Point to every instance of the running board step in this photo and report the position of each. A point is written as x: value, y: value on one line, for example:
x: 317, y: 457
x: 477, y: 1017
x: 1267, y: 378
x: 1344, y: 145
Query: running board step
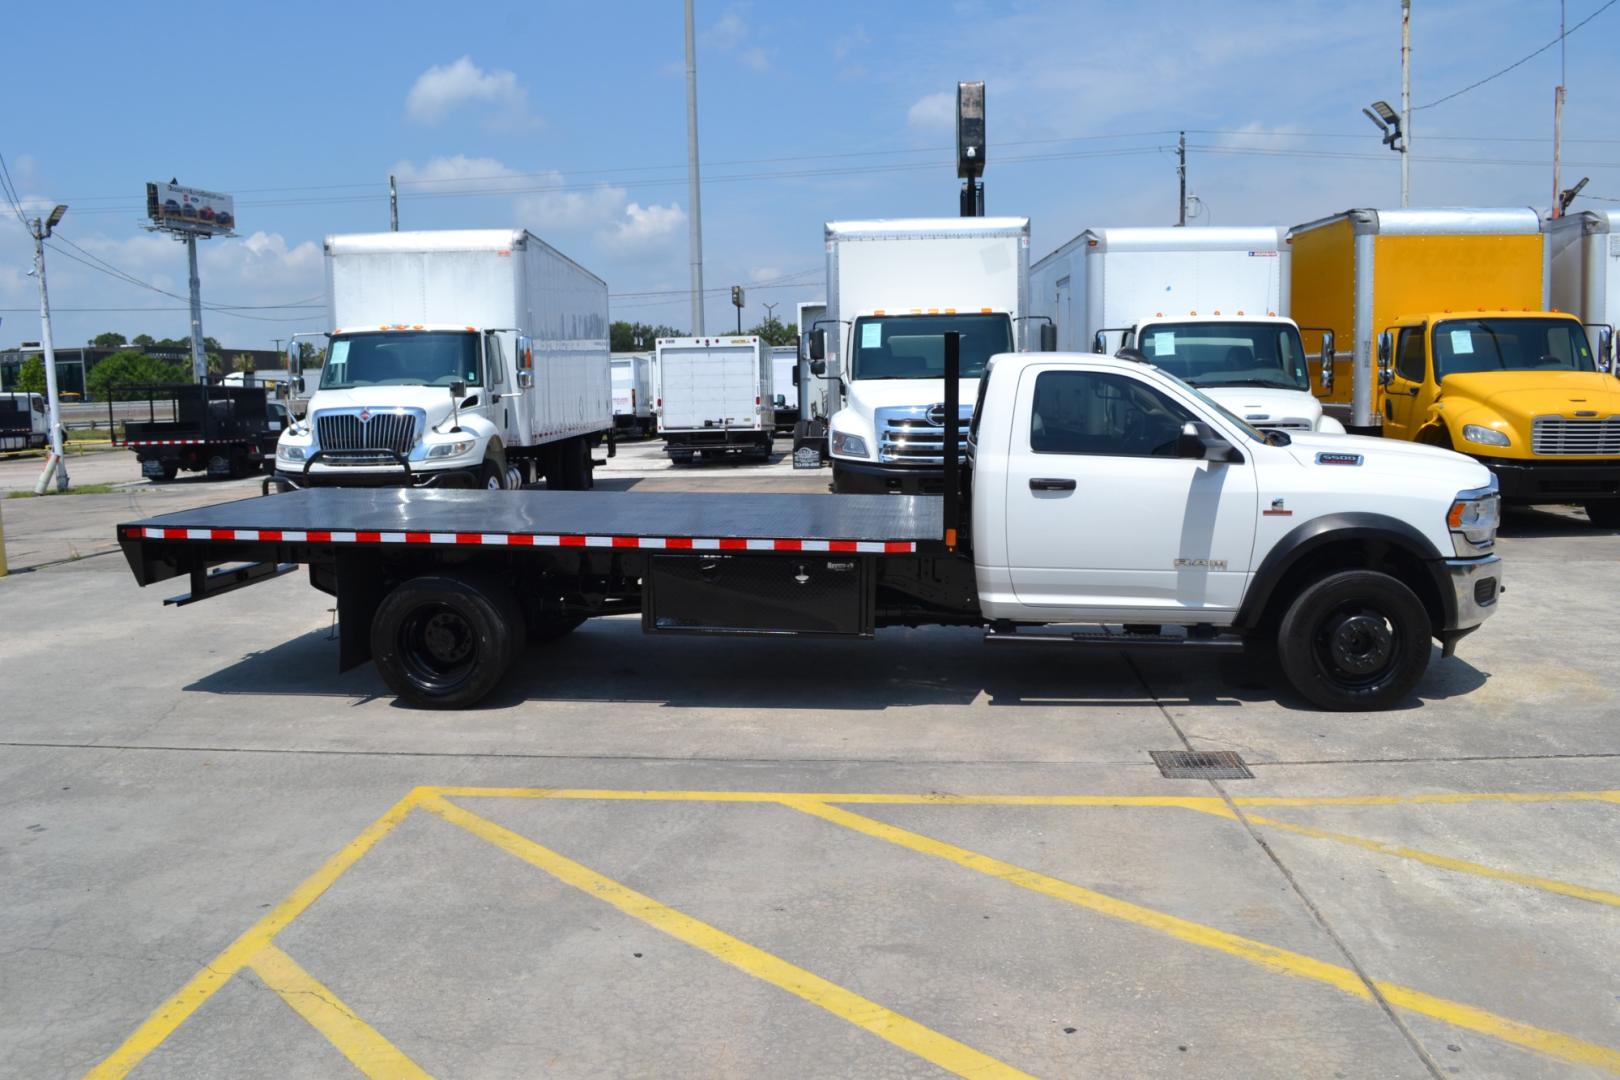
x: 1102, y: 640
x: 206, y: 584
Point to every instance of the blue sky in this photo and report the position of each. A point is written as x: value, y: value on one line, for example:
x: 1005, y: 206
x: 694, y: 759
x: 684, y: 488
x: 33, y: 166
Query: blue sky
x: 570, y: 119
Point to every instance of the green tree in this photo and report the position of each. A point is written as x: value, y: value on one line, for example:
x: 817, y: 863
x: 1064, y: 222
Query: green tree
x: 31, y: 379
x: 244, y: 364
x: 143, y: 340
x: 622, y: 336
x: 776, y: 332
x: 130, y: 366
x: 110, y: 340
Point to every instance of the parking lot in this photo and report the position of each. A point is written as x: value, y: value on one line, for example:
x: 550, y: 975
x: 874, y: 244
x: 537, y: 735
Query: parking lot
x: 768, y: 857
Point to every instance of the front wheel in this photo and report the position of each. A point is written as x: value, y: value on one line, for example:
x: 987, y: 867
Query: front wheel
x: 1357, y: 639
x: 1604, y: 514
x: 492, y: 477
x: 444, y: 642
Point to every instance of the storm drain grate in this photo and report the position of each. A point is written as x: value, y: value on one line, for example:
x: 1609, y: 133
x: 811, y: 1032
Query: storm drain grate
x: 1201, y: 765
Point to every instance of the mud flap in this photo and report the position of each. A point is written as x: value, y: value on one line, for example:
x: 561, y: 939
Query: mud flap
x: 359, y: 590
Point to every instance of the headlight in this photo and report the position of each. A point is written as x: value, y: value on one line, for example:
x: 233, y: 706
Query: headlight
x: 291, y: 453
x: 451, y: 449
x: 1474, y: 518
x: 1485, y: 436
x: 849, y: 445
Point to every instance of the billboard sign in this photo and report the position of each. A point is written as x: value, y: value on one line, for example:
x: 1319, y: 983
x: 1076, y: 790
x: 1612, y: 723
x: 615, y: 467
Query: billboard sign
x: 192, y: 210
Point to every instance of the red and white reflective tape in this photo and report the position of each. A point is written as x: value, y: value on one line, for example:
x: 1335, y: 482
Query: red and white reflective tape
x: 645, y: 543
x: 180, y: 442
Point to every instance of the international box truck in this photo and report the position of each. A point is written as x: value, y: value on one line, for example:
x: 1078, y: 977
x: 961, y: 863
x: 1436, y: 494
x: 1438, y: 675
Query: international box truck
x: 1207, y: 305
x: 713, y: 398
x: 1454, y: 344
x: 894, y: 289
x: 633, y: 394
x: 457, y: 358
x: 1336, y: 560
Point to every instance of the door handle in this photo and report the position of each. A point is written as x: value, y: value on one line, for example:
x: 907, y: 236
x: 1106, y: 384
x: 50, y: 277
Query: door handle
x: 1048, y: 483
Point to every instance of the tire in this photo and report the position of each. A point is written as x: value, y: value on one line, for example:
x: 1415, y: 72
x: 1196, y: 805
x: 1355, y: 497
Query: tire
x: 570, y: 466
x: 170, y: 471
x: 1357, y: 639
x: 514, y: 477
x: 445, y: 642
x: 491, y: 477
x: 1604, y: 514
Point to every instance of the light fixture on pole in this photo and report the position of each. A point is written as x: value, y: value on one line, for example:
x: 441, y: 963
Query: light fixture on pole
x: 1567, y: 196
x: 1388, y: 121
x: 55, y: 464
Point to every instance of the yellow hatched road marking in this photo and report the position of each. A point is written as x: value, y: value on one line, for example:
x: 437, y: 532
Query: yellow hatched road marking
x: 202, y: 986
x: 1445, y: 862
x: 885, y: 1023
x: 355, y: 1039
x: 1282, y: 961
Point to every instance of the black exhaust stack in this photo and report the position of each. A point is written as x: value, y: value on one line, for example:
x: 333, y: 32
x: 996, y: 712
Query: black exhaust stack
x: 952, y: 516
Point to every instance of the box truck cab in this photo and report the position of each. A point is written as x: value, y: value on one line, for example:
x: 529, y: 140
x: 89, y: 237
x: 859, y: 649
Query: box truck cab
x: 463, y: 358
x: 23, y: 421
x: 894, y: 289
x: 1454, y: 344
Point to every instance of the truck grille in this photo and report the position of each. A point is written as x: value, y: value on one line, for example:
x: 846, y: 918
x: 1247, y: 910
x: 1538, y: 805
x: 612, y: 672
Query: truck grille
x: 915, y: 435
x: 1561, y: 435
x: 342, y: 432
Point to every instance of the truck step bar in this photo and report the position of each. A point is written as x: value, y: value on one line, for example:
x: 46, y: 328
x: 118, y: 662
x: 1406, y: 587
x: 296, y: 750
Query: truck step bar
x: 1098, y: 639
x: 206, y: 583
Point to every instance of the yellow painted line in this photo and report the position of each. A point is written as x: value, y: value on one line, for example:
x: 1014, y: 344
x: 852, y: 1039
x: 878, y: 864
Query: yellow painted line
x: 355, y: 1039
x: 864, y: 1013
x: 1281, y: 961
x: 217, y: 972
x: 1449, y: 798
x: 1445, y: 862
x: 1191, y: 802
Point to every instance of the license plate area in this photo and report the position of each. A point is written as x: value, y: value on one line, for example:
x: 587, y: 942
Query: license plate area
x: 759, y: 594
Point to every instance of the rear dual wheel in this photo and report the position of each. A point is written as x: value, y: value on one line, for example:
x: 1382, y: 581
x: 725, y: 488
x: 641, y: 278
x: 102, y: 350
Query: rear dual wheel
x: 444, y: 642
x: 1357, y: 639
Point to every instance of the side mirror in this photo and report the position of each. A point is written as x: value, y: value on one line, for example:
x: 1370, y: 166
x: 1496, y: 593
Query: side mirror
x: 1190, y: 443
x: 818, y: 368
x: 1198, y: 441
x: 1605, y: 349
x: 295, y: 357
x: 525, y: 380
x: 458, y: 389
x: 1386, y: 351
x: 1099, y: 344
x: 795, y: 374
x: 818, y: 345
x: 1048, y: 337
x: 299, y: 382
x: 1328, y: 356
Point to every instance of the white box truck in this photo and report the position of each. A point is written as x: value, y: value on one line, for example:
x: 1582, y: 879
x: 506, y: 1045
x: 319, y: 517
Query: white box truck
x: 1585, y: 255
x: 713, y: 397
x: 894, y: 289
x: 457, y: 358
x: 1210, y: 306
x: 633, y: 394
x: 785, y: 385
x: 23, y: 423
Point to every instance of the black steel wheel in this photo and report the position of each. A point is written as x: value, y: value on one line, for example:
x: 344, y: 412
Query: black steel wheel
x: 1357, y: 639
x: 445, y: 642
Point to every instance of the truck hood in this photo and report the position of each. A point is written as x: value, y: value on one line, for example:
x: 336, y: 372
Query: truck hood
x: 1265, y: 405
x: 867, y: 395
x: 434, y: 401
x: 1521, y: 395
x: 1405, y: 462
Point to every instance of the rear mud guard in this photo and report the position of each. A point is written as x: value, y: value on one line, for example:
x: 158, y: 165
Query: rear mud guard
x: 359, y: 590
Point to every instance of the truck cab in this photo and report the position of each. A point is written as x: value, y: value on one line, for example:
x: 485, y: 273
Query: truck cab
x: 23, y: 421
x: 1521, y: 392
x: 1254, y: 365
x: 440, y: 402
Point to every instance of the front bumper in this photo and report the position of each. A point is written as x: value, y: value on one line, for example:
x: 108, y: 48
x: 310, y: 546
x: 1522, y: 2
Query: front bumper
x: 857, y: 478
x: 1476, y: 584
x: 367, y: 477
x: 1544, y: 481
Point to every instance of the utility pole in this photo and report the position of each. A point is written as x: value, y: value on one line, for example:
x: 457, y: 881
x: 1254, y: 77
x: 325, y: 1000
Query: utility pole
x: 199, y: 361
x: 770, y: 310
x: 695, y: 220
x: 393, y: 205
x: 1181, y: 173
x: 1558, y: 115
x: 1406, y: 102
x: 55, y: 463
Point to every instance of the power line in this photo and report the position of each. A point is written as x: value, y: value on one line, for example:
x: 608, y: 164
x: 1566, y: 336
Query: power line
x: 1522, y: 60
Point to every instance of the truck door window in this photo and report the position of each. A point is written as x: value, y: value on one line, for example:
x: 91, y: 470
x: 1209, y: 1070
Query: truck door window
x: 1409, y: 357
x: 495, y: 360
x: 1087, y: 412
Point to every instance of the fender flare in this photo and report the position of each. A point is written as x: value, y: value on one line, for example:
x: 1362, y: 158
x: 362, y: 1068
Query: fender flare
x: 1317, y: 533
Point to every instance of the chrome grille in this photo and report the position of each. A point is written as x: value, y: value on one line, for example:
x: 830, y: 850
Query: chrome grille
x: 915, y: 435
x: 343, y: 433
x: 1563, y: 435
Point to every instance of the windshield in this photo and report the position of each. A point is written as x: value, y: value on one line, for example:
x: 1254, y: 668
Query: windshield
x: 1229, y: 354
x: 1468, y: 345
x: 401, y: 359
x: 913, y: 346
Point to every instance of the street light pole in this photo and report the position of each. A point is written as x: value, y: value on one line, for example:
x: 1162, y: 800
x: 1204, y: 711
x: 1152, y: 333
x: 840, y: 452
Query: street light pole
x: 56, y: 463
x: 695, y: 237
x: 199, y: 362
x: 1406, y: 103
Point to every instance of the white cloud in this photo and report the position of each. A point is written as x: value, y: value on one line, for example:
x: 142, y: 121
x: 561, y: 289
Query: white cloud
x: 848, y: 43
x: 727, y: 32
x: 932, y: 114
x: 442, y: 90
x: 645, y: 228
x: 764, y: 273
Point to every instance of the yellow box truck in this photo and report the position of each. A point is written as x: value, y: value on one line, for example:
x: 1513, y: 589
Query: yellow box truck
x: 1452, y: 343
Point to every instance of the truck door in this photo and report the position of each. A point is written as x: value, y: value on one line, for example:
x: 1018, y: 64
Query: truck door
x: 1405, y: 404
x: 498, y: 387
x: 1101, y: 514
